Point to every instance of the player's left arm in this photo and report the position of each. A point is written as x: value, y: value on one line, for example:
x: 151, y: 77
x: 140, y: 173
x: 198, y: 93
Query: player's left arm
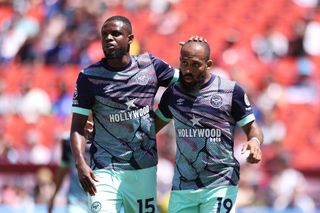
x: 242, y: 112
x: 255, y: 139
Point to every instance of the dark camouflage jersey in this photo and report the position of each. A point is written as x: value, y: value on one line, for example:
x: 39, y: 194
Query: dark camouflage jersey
x: 122, y: 105
x: 205, y: 122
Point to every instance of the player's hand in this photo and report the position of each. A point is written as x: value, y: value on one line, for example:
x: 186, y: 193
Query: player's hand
x: 87, y: 179
x: 254, y: 151
x: 195, y: 38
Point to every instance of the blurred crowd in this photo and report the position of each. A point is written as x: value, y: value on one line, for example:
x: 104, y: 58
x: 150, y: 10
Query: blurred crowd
x: 272, y: 49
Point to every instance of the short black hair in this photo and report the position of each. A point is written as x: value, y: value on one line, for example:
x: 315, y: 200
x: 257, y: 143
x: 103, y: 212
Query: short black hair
x: 123, y: 19
x: 205, y: 45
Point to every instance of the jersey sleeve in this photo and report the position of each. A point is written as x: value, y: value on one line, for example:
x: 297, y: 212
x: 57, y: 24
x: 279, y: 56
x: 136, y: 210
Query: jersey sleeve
x: 163, y: 111
x: 166, y: 74
x: 241, y: 109
x: 83, y: 97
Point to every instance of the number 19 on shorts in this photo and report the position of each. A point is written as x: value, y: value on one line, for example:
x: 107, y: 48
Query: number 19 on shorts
x: 224, y: 203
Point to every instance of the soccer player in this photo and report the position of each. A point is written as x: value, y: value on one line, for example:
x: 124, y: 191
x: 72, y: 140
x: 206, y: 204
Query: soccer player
x: 119, y: 90
x: 205, y: 109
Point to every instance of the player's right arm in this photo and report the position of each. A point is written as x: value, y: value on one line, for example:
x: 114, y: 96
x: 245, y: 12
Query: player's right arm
x: 78, y: 146
x: 83, y: 100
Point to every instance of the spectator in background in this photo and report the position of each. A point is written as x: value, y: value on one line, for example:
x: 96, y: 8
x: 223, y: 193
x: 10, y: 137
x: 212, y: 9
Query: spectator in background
x: 311, y: 41
x: 270, y: 45
x: 296, y: 48
x: 36, y: 152
x: 34, y: 104
x: 164, y: 18
x: 61, y: 107
x: 274, y: 130
x: 251, y: 191
x: 271, y: 95
x: 288, y: 187
x: 305, y: 89
x: 8, y: 154
x: 16, y: 34
x: 44, y: 187
x: 8, y: 102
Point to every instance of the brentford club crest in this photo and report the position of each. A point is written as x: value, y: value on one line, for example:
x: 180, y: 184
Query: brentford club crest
x: 216, y: 101
x: 142, y: 78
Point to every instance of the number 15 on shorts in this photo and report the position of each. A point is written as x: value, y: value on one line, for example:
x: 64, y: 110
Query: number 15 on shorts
x: 146, y: 206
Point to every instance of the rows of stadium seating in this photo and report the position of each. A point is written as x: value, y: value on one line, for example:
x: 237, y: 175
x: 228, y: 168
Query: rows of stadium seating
x: 221, y: 22
x: 248, y: 17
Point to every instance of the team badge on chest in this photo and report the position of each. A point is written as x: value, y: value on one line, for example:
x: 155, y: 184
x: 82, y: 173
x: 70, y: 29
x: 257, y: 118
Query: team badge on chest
x: 216, y: 101
x: 142, y: 78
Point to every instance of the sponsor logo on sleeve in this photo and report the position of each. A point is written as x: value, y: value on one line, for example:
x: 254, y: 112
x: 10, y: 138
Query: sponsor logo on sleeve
x: 247, y: 102
x: 75, y: 96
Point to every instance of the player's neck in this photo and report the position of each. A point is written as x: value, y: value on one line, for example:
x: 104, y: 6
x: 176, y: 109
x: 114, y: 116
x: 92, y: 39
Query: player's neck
x: 209, y: 78
x: 118, y: 63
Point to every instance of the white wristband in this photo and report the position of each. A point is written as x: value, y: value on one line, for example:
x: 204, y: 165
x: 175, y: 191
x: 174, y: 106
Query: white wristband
x: 256, y: 139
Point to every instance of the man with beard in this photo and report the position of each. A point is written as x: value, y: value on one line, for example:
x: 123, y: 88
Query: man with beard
x: 206, y: 109
x: 119, y: 90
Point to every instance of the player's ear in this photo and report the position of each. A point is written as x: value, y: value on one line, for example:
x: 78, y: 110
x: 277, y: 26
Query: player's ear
x: 209, y: 64
x: 130, y: 37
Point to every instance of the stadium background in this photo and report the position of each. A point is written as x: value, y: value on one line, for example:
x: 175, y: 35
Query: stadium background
x: 271, y: 48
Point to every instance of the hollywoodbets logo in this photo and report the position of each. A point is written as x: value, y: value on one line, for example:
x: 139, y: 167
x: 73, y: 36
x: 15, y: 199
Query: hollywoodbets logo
x: 132, y: 114
x: 214, y: 134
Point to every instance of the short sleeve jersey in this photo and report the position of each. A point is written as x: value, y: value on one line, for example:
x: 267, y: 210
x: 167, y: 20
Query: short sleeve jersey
x: 205, y: 123
x: 122, y: 105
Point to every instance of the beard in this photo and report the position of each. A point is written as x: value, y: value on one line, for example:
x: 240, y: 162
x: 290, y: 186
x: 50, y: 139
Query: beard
x: 118, y: 53
x: 194, y: 85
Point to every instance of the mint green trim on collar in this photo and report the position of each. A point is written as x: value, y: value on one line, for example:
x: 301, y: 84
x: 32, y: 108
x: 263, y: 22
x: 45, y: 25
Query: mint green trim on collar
x: 161, y: 116
x: 81, y: 111
x: 246, y: 120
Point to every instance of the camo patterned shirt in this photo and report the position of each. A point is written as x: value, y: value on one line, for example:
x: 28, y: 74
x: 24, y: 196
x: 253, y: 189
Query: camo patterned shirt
x: 205, y: 122
x: 122, y: 105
